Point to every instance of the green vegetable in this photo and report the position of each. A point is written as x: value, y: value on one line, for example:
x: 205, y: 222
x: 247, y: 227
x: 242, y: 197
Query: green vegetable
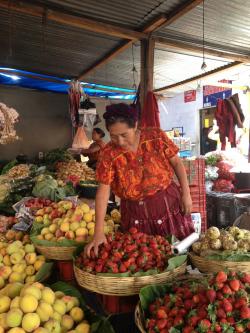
x: 56, y: 155
x: 8, y: 166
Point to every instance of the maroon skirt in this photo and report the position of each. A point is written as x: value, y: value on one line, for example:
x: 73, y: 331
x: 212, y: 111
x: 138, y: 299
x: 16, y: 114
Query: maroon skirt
x: 159, y: 214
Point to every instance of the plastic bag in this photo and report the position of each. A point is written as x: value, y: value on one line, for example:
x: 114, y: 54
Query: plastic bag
x: 80, y: 140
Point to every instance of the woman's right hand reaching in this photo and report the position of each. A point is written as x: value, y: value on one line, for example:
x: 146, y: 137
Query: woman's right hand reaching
x: 99, y: 239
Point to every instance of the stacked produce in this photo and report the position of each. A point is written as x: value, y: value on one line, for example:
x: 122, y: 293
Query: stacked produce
x: 220, y: 304
x: 18, y: 262
x: 6, y: 222
x: 233, y: 240
x: 19, y: 171
x: 67, y: 170
x: 12, y: 235
x: 63, y: 220
x: 133, y: 252
x: 38, y: 309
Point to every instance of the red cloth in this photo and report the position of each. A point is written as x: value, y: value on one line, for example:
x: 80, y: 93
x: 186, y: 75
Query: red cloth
x: 225, y: 122
x: 159, y: 214
x: 150, y: 112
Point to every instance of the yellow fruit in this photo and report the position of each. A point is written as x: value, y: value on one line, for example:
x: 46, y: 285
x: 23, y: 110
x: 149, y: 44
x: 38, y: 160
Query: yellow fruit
x: 29, y: 248
x: 30, y: 270
x: 39, y: 219
x: 3, y: 323
x: 59, y: 294
x: 38, y: 264
x: 53, y: 228
x: 28, y: 303
x: 83, y: 224
x: 67, y: 322
x: 4, y: 303
x: 87, y: 217
x: 15, y: 303
x: 60, y: 307
x: 34, y: 291
x: 90, y: 225
x: 30, y: 279
x: 53, y: 325
x: 38, y: 285
x: 19, y: 268
x: 85, y: 208
x: 77, y: 314
x: 14, y: 289
x: 16, y: 277
x: 49, y: 237
x: 91, y: 232
x: 16, y: 330
x: 6, y: 260
x: 40, y: 257
x: 92, y: 211
x: 48, y: 295
x: 15, y: 258
x: 30, y: 258
x: 41, y: 330
x: 40, y: 237
x: 5, y: 272
x: 14, y: 247
x: 30, y: 322
x: 14, y: 317
x: 2, y: 282
x: 74, y: 225
x: 69, y: 301
x: 64, y: 226
x: 44, y: 311
x: 45, y: 231
x: 81, y: 232
x: 56, y: 316
x: 82, y: 328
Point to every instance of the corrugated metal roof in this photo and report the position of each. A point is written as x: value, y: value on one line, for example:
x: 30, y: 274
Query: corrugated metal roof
x: 227, y: 25
x: 174, y: 67
x: 53, y: 48
x: 130, y: 13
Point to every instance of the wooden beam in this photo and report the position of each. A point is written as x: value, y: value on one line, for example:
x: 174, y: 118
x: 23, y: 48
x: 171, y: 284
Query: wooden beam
x: 73, y: 21
x: 147, y: 68
x: 157, y: 23
x: 176, y: 45
x: 198, y: 77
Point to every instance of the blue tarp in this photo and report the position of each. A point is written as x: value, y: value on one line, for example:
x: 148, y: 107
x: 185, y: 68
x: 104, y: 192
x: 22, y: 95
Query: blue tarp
x: 93, y: 90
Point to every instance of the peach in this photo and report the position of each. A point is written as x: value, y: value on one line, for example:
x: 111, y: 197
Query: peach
x: 28, y: 303
x: 14, y: 317
x: 30, y: 322
x: 77, y: 314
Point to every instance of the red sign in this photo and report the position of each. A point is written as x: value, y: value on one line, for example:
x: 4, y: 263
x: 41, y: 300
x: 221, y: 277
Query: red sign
x: 189, y: 96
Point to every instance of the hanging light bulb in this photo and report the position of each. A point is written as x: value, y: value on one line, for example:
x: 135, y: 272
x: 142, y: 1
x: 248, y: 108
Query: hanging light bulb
x: 204, y: 65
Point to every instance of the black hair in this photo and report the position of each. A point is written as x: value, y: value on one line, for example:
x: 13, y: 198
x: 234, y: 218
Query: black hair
x: 120, y: 113
x: 99, y: 131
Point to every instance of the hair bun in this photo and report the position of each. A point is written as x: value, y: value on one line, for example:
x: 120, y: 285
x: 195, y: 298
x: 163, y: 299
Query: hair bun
x: 121, y: 110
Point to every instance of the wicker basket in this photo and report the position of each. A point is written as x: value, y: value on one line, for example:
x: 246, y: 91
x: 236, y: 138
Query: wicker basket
x: 56, y: 252
x: 213, y: 266
x: 123, y: 286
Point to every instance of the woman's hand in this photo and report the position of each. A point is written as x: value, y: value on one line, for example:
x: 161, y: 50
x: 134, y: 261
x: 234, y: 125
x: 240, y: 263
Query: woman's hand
x: 98, y: 240
x: 186, y: 204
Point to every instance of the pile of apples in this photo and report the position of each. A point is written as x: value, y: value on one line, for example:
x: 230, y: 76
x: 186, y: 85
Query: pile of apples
x: 38, y: 309
x: 63, y: 221
x: 18, y: 262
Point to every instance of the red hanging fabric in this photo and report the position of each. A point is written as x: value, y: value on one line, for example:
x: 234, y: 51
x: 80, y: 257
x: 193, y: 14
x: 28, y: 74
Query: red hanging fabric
x: 150, y: 113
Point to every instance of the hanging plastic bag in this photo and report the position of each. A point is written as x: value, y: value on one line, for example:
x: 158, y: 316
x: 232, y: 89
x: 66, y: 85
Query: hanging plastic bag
x: 80, y: 140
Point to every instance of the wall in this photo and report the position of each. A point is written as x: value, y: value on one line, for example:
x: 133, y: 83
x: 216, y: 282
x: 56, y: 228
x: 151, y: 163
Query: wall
x: 44, y: 121
x: 175, y: 113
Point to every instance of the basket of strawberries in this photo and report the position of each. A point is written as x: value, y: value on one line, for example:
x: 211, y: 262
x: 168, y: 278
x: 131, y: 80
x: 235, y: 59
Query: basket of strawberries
x: 128, y: 262
x: 217, y: 303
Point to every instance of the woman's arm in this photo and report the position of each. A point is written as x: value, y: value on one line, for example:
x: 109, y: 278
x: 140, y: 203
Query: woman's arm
x: 101, y: 203
x: 92, y: 149
x: 180, y: 172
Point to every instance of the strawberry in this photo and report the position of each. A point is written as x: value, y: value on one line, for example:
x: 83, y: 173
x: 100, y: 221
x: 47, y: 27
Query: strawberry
x: 202, y: 313
x: 219, y: 295
x: 188, y: 304
x: 152, y: 308
x: 240, y: 303
x: 227, y: 306
x: 205, y: 324
x: 133, y: 230
x: 211, y: 295
x: 196, y: 299
x: 151, y: 323
x: 122, y: 268
x: 178, y: 321
x: 221, y: 277
x: 217, y: 327
x: 161, y: 314
x: 234, y: 284
x: 245, y: 312
x: 192, y: 321
x: 246, y: 278
x: 227, y: 290
x: 161, y: 323
x: 231, y: 320
x: 221, y: 313
x: 187, y: 329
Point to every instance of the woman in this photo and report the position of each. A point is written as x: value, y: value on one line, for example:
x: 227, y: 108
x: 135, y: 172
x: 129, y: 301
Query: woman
x: 138, y: 165
x: 95, y: 148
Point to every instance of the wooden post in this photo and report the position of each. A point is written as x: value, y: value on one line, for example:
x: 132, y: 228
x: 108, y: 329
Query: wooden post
x: 147, y: 68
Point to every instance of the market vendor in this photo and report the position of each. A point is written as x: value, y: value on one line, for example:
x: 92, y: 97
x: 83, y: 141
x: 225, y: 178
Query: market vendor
x: 138, y: 165
x: 95, y: 148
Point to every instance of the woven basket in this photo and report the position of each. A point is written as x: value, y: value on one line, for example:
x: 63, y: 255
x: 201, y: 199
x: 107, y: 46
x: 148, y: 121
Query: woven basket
x: 213, y: 266
x: 123, y: 286
x: 56, y: 252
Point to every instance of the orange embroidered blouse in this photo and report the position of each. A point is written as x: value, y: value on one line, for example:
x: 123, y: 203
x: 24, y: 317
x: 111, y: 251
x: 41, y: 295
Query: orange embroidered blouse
x: 136, y: 175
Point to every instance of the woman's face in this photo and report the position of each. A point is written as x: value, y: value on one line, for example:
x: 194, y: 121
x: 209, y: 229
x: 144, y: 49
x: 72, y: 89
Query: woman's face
x: 95, y: 136
x: 122, y: 135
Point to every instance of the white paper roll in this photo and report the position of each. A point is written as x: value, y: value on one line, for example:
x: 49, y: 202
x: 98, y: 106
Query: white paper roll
x: 185, y: 243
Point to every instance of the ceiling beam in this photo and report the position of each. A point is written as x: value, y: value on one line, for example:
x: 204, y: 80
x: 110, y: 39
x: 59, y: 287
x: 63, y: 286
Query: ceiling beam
x: 73, y: 21
x: 177, y: 45
x: 158, y: 22
x: 198, y: 77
